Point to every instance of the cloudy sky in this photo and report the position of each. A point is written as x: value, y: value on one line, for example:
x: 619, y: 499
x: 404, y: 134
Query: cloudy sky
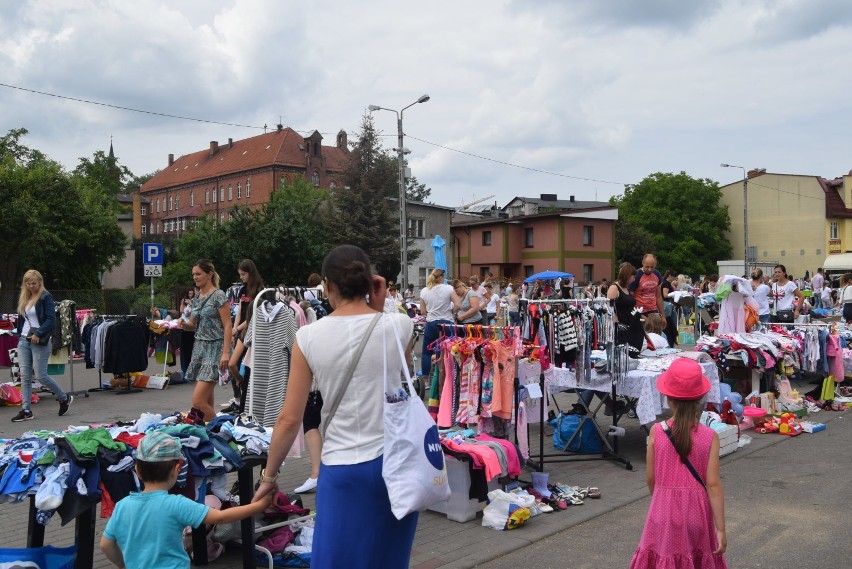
x: 573, y: 97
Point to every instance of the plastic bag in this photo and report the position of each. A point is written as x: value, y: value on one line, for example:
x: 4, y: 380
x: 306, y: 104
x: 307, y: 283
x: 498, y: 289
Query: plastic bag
x: 506, y: 511
x: 565, y: 427
x: 47, y: 557
x: 10, y: 394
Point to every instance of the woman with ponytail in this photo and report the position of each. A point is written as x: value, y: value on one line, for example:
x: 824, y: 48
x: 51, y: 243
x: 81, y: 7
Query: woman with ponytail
x: 211, y: 320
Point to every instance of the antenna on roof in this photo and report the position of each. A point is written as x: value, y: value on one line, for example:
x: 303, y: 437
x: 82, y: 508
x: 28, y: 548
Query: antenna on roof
x: 264, y: 128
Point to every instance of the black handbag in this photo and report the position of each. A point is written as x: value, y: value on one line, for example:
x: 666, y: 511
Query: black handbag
x: 784, y: 316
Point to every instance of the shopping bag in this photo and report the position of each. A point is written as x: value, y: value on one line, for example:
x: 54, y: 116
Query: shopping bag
x: 10, y: 394
x: 506, y: 510
x: 413, y: 462
x: 565, y: 427
x: 47, y: 557
x: 685, y: 334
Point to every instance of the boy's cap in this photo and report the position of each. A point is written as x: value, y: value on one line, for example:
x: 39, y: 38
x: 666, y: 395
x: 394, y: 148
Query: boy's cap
x: 159, y: 446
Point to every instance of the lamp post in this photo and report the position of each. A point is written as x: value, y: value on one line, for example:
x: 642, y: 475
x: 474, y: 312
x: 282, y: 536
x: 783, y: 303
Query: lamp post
x: 745, y: 211
x: 403, y: 217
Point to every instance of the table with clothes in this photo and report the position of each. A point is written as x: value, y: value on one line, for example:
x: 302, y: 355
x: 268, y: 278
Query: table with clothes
x: 639, y: 384
x: 69, y: 472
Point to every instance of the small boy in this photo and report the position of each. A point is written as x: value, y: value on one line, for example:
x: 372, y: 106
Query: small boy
x: 145, y: 529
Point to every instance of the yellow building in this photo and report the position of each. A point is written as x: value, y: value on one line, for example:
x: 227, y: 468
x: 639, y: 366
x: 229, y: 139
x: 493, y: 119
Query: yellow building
x: 795, y: 220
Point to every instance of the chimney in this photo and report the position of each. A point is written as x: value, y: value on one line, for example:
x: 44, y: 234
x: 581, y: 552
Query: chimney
x: 548, y: 197
x: 230, y: 143
x: 214, y: 147
x: 571, y: 199
x: 280, y: 127
x: 171, y: 159
x: 756, y: 172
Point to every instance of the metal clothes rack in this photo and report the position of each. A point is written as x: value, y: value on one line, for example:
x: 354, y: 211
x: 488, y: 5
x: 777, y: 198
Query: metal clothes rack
x: 119, y: 391
x: 609, y: 451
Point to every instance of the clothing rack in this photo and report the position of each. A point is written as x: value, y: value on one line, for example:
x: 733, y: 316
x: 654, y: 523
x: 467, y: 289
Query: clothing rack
x: 119, y: 391
x: 609, y: 451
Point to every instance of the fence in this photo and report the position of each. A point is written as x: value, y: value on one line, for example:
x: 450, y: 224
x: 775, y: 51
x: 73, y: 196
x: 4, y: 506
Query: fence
x: 105, y: 301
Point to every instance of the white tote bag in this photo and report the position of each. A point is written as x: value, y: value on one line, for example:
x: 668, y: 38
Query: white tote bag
x: 413, y: 463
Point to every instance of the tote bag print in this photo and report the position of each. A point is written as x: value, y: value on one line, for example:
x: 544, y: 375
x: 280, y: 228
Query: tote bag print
x: 413, y: 463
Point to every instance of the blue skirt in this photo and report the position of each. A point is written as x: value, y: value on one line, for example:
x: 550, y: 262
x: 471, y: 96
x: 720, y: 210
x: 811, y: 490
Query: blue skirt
x: 355, y: 526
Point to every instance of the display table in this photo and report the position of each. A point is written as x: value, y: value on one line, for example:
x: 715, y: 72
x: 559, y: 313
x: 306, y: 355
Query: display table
x: 638, y: 384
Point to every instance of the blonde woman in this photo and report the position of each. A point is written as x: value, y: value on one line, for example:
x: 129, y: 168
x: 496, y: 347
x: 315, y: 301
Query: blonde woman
x: 36, y: 319
x: 437, y: 301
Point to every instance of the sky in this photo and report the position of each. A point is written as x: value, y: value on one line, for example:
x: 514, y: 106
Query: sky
x: 571, y: 97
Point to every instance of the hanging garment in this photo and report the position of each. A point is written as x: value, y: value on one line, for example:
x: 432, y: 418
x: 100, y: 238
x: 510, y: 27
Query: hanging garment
x: 272, y: 334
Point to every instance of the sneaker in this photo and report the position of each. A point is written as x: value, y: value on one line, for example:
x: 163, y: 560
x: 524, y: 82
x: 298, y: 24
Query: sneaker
x: 64, y: 405
x: 309, y: 486
x: 230, y: 403
x: 22, y: 416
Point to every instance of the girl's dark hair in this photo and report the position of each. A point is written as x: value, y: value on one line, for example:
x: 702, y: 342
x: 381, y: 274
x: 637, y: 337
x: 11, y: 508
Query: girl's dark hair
x: 783, y: 269
x: 348, y: 268
x: 206, y: 265
x: 255, y: 282
x: 685, y: 419
x: 625, y: 274
x: 155, y: 471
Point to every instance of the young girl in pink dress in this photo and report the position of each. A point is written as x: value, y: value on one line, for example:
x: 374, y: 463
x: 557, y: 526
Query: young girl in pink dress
x: 685, y: 527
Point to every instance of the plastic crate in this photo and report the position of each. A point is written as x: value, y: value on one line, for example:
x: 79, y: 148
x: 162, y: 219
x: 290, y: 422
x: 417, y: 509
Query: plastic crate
x: 459, y: 507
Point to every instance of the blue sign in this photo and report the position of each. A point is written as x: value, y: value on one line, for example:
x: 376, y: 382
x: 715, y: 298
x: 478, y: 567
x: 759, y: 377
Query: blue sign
x: 152, y: 254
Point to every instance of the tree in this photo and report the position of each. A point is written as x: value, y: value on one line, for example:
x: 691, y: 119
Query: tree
x: 63, y: 225
x: 366, y: 214
x: 415, y: 191
x: 631, y: 243
x: 683, y: 217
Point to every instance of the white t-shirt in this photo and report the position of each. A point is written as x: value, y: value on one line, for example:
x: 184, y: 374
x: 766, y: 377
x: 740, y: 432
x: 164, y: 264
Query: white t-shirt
x: 439, y: 302
x: 826, y: 296
x: 30, y: 321
x: 356, y: 431
x: 761, y: 296
x: 846, y: 295
x: 492, y: 305
x: 784, y: 295
x: 659, y: 343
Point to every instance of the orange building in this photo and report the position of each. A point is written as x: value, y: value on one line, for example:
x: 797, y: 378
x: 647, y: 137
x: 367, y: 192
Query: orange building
x: 570, y: 238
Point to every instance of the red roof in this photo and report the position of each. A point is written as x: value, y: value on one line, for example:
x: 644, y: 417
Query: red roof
x: 284, y: 147
x: 834, y: 206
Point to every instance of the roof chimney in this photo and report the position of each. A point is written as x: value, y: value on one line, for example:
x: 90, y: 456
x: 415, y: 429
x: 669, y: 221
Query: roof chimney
x: 548, y: 197
x: 214, y: 147
x: 571, y: 199
x: 756, y: 172
x: 280, y: 127
x: 230, y: 143
x: 171, y: 159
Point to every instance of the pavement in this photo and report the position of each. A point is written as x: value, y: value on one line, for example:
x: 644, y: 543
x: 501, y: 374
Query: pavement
x: 782, y: 492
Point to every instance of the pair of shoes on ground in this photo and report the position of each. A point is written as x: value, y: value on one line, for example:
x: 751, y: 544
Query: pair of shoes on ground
x: 64, y: 405
x: 229, y: 402
x: 309, y: 486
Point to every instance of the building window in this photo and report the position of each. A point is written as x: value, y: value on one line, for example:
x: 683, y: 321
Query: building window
x: 183, y: 224
x: 215, y: 195
x: 486, y: 238
x: 315, y: 178
x: 417, y: 228
x: 528, y: 237
x: 158, y: 227
x: 192, y: 198
x: 151, y: 227
x: 239, y: 190
x: 171, y: 204
x: 529, y: 271
x: 206, y: 197
x: 248, y: 188
x: 587, y: 273
x: 158, y: 205
x: 144, y: 210
x: 177, y: 202
x: 221, y: 218
x: 588, y: 234
x: 333, y: 186
x: 230, y: 193
x: 833, y: 231
x: 144, y: 229
x: 222, y: 193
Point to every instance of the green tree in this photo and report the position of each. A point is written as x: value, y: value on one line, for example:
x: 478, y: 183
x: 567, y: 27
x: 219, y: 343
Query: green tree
x: 631, y: 243
x: 366, y: 214
x: 684, y: 218
x: 63, y: 225
x: 415, y: 191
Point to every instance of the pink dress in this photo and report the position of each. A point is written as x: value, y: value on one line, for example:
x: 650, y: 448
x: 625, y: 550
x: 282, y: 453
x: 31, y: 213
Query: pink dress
x: 679, y: 531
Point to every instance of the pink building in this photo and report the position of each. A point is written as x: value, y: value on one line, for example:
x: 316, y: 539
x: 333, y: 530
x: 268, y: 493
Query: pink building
x: 578, y: 240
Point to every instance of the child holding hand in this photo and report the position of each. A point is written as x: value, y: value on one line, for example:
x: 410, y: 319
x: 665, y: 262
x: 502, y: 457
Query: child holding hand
x: 685, y: 526
x: 145, y: 529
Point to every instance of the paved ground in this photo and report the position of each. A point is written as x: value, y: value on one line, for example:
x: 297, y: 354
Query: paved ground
x: 781, y: 492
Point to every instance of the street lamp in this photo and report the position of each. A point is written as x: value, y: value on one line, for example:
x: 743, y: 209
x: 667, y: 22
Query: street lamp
x: 401, y: 151
x: 745, y: 211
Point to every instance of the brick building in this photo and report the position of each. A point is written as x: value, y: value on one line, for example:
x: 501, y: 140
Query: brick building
x: 242, y: 172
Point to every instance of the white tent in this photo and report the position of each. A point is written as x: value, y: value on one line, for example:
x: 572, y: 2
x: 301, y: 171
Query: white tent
x: 838, y: 263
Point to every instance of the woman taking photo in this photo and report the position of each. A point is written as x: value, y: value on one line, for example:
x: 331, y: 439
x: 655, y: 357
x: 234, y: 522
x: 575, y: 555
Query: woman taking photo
x: 211, y: 321
x: 469, y: 312
x: 437, y: 301
x: 350, y: 481
x: 36, y: 319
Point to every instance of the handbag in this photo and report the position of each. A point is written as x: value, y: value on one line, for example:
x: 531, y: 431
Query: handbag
x: 685, y: 460
x: 569, y: 435
x: 784, y: 316
x: 413, y: 463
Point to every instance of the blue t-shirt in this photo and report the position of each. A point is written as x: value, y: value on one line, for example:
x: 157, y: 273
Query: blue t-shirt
x: 148, y: 527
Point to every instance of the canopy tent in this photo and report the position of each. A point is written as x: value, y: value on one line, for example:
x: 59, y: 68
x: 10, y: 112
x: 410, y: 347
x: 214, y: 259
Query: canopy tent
x: 548, y: 276
x: 838, y: 263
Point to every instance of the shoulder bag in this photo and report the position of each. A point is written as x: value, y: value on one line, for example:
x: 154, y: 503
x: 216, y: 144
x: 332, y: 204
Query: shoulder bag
x: 413, y: 462
x: 348, y: 377
x: 685, y: 460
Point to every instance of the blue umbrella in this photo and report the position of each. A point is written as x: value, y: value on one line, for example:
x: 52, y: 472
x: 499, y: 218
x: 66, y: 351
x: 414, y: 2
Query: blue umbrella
x: 548, y: 276
x: 440, y: 256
